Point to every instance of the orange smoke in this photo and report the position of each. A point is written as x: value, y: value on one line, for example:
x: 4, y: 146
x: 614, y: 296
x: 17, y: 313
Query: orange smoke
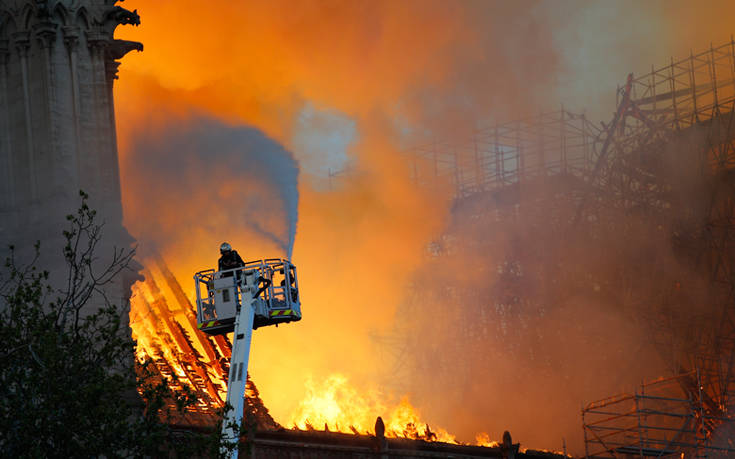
x: 401, y: 71
x: 388, y: 66
x: 258, y: 62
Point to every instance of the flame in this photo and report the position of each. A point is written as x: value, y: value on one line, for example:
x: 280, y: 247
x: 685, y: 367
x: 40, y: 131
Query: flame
x: 163, y: 325
x: 337, y: 405
x: 483, y: 439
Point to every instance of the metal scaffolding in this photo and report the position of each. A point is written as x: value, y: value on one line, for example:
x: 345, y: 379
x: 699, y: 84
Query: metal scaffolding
x: 662, y: 170
x: 508, y: 154
x: 677, y: 115
x: 669, y: 155
x: 659, y: 420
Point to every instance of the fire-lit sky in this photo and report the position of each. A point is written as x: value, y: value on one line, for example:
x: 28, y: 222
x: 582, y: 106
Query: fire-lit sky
x: 333, y: 84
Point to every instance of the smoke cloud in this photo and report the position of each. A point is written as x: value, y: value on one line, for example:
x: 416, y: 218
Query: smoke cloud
x: 520, y: 319
x: 223, y: 182
x: 399, y: 73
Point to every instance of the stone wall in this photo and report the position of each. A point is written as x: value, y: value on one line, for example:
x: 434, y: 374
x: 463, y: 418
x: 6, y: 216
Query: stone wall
x: 58, y: 62
x: 284, y: 443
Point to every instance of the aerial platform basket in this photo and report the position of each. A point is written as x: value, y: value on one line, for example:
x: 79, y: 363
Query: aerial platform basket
x: 220, y: 294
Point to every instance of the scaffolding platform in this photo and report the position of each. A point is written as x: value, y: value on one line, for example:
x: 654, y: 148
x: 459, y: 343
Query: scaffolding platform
x: 666, y: 417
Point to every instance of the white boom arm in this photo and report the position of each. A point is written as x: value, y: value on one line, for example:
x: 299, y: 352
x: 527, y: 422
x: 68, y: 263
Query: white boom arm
x: 261, y: 293
x: 238, y: 375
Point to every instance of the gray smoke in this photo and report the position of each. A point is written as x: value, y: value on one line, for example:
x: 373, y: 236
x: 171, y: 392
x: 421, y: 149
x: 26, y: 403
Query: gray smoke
x: 203, y: 175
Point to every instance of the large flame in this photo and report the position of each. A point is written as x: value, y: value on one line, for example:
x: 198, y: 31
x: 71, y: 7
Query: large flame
x: 337, y: 405
x: 163, y: 324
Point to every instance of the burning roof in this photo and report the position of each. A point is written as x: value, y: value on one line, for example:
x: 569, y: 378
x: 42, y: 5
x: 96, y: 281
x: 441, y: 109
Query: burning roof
x: 164, y: 326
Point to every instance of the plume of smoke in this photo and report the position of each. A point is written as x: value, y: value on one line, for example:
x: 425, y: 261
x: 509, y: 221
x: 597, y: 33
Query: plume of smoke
x: 199, y: 175
x: 525, y: 313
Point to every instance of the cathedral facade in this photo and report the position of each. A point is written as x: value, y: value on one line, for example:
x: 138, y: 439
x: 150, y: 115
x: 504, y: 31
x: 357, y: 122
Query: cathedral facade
x: 58, y: 62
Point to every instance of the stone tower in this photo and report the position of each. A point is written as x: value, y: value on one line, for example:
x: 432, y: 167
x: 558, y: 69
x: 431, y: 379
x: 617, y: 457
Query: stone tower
x: 58, y: 61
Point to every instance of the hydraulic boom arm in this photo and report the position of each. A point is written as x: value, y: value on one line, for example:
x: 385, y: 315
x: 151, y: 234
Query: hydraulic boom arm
x: 263, y: 292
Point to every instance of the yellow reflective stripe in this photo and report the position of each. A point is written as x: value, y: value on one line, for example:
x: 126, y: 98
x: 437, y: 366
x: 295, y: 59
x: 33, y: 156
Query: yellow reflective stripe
x: 211, y: 323
x: 281, y: 312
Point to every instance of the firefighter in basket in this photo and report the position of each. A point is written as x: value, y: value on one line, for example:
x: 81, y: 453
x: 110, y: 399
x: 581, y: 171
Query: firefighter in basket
x: 229, y: 259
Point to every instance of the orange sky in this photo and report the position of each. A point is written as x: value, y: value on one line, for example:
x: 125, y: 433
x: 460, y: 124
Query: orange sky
x: 399, y: 72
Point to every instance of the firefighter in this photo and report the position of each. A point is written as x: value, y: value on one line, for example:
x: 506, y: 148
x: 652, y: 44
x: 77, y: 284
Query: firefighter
x: 230, y: 259
x: 294, y: 290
